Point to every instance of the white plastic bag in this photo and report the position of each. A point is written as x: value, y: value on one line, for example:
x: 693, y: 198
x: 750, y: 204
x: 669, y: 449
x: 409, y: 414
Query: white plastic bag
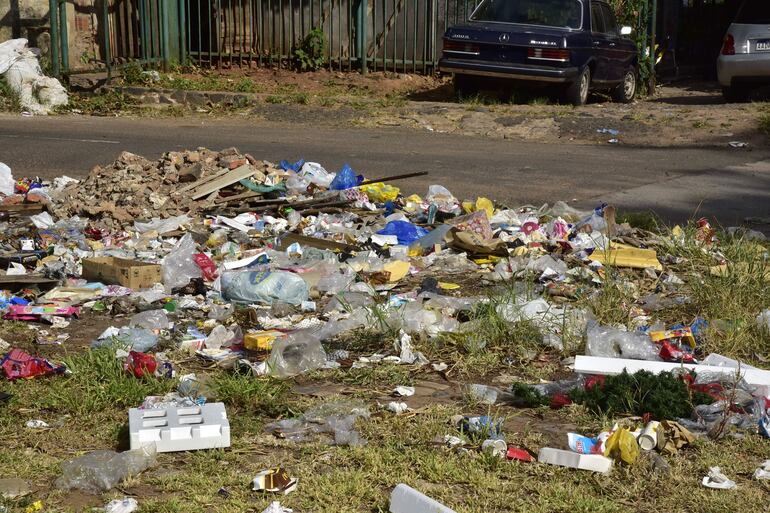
x: 37, y: 93
x: 179, y: 267
x: 6, y: 178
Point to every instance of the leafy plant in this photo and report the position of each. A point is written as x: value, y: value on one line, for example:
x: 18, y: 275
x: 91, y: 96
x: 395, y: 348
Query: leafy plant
x: 633, y: 13
x: 310, y: 55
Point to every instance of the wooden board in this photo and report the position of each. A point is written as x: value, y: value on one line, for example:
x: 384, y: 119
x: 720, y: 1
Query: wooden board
x: 206, y: 179
x: 287, y: 239
x: 230, y: 178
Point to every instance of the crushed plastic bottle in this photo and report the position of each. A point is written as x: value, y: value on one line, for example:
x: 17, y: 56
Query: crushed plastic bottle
x: 299, y: 353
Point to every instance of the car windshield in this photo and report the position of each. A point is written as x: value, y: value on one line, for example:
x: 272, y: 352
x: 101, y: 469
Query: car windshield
x: 550, y: 13
x: 753, y: 12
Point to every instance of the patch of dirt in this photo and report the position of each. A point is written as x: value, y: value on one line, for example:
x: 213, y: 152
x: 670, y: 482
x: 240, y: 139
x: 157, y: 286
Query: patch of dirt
x: 691, y: 114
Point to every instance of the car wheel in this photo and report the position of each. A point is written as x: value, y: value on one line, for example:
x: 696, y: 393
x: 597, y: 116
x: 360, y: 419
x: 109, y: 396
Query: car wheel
x: 625, y: 92
x: 734, y: 94
x: 577, y: 92
x: 465, y: 86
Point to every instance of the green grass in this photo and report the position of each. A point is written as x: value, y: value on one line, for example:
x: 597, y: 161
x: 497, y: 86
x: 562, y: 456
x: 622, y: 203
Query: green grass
x: 764, y: 122
x: 9, y: 101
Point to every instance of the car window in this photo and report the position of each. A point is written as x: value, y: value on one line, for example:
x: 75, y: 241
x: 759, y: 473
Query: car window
x: 597, y: 20
x: 754, y: 11
x: 610, y: 22
x: 550, y: 13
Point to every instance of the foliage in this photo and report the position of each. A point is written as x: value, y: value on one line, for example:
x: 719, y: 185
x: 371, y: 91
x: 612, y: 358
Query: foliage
x: 664, y: 396
x: 9, y: 101
x: 632, y: 13
x: 310, y: 54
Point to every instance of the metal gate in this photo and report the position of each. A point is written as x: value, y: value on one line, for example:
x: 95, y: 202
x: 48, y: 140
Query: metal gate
x: 378, y: 35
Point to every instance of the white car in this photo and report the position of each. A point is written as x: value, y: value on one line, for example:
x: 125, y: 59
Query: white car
x: 744, y: 62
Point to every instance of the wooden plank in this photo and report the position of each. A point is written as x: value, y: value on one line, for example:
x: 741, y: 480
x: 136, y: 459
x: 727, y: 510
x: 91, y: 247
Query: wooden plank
x: 194, y: 185
x: 289, y: 238
x: 230, y: 178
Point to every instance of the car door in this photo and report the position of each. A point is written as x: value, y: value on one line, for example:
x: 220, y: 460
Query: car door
x: 600, y: 44
x: 616, y: 54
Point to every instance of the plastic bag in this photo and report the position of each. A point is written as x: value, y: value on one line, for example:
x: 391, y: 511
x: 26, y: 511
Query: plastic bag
x: 100, y: 471
x: 207, y: 266
x: 345, y: 179
x: 622, y: 445
x: 126, y: 505
x: 264, y: 287
x: 380, y: 192
x: 317, y: 174
x: 162, y: 225
x: 299, y: 353
x: 140, y: 364
x: 37, y: 93
x: 150, y: 320
x: 179, y: 267
x: 406, y: 232
x: 137, y: 339
x: 614, y: 343
x: 6, y: 180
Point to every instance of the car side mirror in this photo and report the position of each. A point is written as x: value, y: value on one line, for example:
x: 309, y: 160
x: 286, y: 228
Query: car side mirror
x: 626, y: 31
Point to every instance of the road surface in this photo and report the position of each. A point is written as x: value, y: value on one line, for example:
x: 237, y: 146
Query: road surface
x: 677, y: 183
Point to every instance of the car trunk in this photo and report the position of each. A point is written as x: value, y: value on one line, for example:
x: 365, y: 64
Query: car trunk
x: 503, y: 43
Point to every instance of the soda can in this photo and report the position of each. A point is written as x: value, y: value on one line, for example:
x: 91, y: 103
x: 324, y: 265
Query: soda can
x: 494, y: 448
x: 648, y: 438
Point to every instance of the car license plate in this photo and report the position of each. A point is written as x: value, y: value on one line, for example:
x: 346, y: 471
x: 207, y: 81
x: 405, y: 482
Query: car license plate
x: 763, y: 45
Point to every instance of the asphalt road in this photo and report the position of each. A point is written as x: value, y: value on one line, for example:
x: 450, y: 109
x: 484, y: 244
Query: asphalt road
x: 677, y: 183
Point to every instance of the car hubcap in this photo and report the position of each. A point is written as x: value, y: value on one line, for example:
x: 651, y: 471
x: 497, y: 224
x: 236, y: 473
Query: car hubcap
x: 584, y: 87
x: 629, y: 86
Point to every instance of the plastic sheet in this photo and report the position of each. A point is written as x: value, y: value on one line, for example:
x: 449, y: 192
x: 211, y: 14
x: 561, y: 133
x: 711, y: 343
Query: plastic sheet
x: 246, y: 286
x: 100, y: 471
x: 299, y: 353
x: 179, y: 267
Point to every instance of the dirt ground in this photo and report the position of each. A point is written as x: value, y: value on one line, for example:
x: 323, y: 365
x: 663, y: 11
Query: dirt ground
x: 688, y: 112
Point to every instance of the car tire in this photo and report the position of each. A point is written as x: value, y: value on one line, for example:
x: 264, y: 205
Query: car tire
x: 625, y: 92
x: 735, y: 94
x: 577, y: 92
x: 465, y: 86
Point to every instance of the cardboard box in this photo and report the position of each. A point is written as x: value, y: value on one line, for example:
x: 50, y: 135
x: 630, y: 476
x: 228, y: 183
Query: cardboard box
x: 121, y: 271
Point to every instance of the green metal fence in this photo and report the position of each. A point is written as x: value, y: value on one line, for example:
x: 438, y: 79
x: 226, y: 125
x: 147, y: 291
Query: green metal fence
x: 124, y: 32
x: 398, y: 35
x: 377, y: 35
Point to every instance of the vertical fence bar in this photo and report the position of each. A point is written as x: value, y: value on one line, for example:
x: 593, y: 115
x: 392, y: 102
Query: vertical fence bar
x: 218, y: 38
x: 283, y: 33
x: 183, y: 32
x: 374, y: 36
x: 53, y: 8
x: 339, y: 33
x: 331, y: 33
x: 164, y: 33
x: 106, y: 32
x: 351, y: 43
x: 261, y: 31
x: 64, y: 36
x: 416, y: 12
x: 404, y: 42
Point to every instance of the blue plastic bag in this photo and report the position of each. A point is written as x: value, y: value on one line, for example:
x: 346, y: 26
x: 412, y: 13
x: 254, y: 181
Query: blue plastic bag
x: 288, y: 166
x: 404, y: 230
x: 345, y: 179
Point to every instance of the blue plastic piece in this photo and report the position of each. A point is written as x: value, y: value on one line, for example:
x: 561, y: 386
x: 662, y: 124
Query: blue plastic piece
x: 404, y: 230
x: 345, y: 179
x: 288, y: 166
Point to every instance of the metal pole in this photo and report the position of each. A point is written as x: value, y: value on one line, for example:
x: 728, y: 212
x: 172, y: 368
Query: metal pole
x: 164, y: 33
x: 364, y: 14
x: 65, y: 57
x: 652, y: 45
x: 183, y: 31
x: 53, y: 10
x: 106, y: 32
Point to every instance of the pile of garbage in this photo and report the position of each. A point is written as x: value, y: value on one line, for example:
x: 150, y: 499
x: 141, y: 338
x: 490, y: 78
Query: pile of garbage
x: 19, y: 66
x: 265, y: 268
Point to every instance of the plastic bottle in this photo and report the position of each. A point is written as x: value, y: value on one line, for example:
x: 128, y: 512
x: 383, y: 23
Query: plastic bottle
x: 297, y: 354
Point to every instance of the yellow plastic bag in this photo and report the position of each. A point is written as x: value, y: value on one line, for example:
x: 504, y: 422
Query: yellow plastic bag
x: 482, y: 203
x: 622, y: 445
x: 380, y: 192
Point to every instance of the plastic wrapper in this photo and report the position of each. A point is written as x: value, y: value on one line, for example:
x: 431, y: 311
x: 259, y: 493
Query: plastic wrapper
x: 247, y: 286
x: 207, y: 266
x: 336, y: 418
x: 178, y: 267
x: 100, y: 471
x: 315, y: 172
x: 622, y: 445
x: 299, y: 353
x: 140, y: 364
x: 150, y: 320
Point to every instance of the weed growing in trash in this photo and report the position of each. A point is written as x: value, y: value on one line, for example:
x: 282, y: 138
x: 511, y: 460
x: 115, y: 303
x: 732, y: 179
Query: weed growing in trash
x: 8, y: 100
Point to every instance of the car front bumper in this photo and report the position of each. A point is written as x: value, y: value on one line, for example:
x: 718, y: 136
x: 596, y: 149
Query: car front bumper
x: 529, y: 72
x: 743, y: 69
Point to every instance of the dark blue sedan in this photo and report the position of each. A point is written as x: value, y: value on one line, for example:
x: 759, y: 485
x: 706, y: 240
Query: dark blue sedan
x: 572, y: 43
